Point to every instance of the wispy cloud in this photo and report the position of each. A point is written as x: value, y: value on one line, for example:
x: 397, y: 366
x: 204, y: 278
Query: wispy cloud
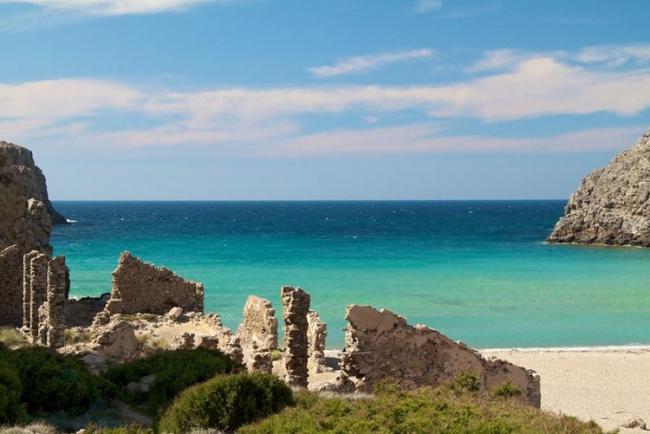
x: 427, y: 6
x: 515, y: 86
x: 615, y: 55
x: 422, y: 138
x: 113, y: 7
x: 358, y: 64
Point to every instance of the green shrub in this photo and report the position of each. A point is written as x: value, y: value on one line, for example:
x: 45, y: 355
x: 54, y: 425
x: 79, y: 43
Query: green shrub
x: 506, y: 390
x: 226, y: 403
x: 122, y: 430
x: 426, y: 410
x: 466, y: 382
x: 51, y: 381
x: 11, y: 409
x: 174, y: 372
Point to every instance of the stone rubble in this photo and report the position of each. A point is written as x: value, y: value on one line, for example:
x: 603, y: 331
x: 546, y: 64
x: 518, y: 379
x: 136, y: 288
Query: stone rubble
x: 258, y: 334
x: 295, y: 302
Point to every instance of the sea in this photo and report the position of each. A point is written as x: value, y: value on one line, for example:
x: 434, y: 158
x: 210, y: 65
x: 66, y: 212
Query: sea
x: 478, y: 271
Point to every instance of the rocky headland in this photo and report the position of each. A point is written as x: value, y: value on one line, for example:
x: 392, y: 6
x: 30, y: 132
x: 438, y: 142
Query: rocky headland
x: 612, y: 204
x: 26, y: 219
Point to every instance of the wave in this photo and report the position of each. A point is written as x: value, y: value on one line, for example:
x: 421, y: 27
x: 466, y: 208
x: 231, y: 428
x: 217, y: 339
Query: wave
x: 71, y: 221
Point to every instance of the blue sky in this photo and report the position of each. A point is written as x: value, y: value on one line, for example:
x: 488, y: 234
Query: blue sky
x: 322, y: 99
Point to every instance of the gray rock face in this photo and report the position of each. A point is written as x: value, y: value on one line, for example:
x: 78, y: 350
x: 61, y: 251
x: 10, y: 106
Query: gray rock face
x: 612, y: 205
x: 26, y: 214
x: 26, y: 218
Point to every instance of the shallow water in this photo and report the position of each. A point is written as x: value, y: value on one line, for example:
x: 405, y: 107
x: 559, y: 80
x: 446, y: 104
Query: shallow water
x: 477, y: 270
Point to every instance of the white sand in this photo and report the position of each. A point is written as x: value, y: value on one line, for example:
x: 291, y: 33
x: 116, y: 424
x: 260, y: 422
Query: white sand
x: 610, y: 385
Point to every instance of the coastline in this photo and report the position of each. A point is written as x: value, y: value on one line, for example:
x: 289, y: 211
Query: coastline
x: 607, y: 384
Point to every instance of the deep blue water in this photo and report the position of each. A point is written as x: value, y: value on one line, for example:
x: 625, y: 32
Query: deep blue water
x: 477, y: 270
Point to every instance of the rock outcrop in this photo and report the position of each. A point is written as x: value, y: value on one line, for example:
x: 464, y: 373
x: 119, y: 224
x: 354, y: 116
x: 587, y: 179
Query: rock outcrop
x: 380, y: 344
x: 612, y: 205
x: 139, y: 287
x: 26, y: 218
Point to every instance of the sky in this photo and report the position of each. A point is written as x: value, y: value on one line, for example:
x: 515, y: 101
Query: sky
x: 322, y: 99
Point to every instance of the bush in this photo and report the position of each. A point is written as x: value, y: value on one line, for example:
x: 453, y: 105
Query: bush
x: 11, y: 409
x: 51, y: 381
x: 506, y: 390
x: 226, y: 403
x: 426, y: 410
x: 174, y: 372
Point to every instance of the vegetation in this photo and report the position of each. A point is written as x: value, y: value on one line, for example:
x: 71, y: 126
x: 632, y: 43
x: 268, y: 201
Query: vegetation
x: 11, y: 409
x: 174, y: 372
x: 448, y: 409
x: 52, y: 382
x: 12, y: 338
x: 226, y: 403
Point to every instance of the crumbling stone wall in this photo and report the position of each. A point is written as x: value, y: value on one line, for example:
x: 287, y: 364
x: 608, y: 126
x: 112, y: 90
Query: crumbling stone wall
x: 258, y: 334
x: 139, y: 287
x: 82, y: 312
x: 227, y: 341
x: 316, y: 335
x: 58, y: 284
x: 295, y: 302
x: 38, y: 291
x: 11, y: 264
x: 380, y: 344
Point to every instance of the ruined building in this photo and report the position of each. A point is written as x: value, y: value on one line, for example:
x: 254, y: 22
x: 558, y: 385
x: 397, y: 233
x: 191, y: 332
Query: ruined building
x: 258, y: 334
x: 295, y: 302
x: 139, y: 287
x: 46, y: 285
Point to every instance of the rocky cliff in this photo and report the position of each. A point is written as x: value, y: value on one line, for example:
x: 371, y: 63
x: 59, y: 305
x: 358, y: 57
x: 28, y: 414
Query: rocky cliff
x: 612, y: 205
x: 26, y: 218
x: 26, y: 214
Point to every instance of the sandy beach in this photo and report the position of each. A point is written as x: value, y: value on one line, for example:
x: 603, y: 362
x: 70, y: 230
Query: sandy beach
x: 610, y: 385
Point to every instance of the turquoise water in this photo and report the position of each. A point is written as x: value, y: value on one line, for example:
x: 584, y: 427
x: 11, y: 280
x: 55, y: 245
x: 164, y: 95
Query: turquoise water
x: 478, y: 271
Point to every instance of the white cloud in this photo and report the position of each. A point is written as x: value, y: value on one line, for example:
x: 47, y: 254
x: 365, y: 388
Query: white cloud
x: 496, y: 60
x: 56, y: 99
x: 420, y: 138
x: 357, y: 64
x: 535, y: 86
x: 426, y: 6
x: 614, y: 55
x: 113, y: 7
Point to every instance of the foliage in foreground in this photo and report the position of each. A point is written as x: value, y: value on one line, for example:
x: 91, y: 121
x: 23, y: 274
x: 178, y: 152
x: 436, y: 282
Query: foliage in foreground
x: 226, y: 403
x: 174, y: 372
x: 11, y: 409
x: 426, y: 410
x: 52, y: 382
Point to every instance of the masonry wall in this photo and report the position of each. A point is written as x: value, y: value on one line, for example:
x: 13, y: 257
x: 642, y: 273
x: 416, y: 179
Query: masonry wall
x: 295, y: 304
x: 380, y: 344
x: 11, y: 300
x: 139, y: 287
x: 258, y: 334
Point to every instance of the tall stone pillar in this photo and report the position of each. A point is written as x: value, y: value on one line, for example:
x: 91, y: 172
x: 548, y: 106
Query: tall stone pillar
x: 295, y: 302
x: 258, y: 334
x: 11, y: 296
x: 27, y: 290
x: 38, y: 293
x: 57, y: 290
x: 316, y: 335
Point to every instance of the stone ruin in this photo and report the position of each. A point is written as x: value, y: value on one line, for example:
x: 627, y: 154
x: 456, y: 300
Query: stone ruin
x: 316, y: 336
x: 295, y: 302
x: 380, y: 344
x: 11, y: 308
x: 258, y: 334
x: 139, y: 287
x: 45, y: 288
